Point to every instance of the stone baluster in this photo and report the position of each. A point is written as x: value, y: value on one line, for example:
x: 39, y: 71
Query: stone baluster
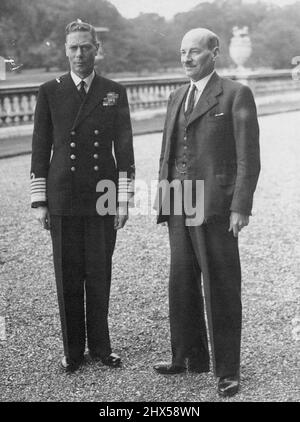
x: 15, y: 105
x: 151, y: 97
x: 32, y: 104
x: 144, y: 96
x: 23, y: 108
x: 7, y: 109
x: 134, y: 97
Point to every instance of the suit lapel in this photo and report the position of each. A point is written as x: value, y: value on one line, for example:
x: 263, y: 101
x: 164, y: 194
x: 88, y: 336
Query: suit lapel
x: 208, y: 98
x: 68, y: 97
x: 94, y: 96
x: 177, y: 101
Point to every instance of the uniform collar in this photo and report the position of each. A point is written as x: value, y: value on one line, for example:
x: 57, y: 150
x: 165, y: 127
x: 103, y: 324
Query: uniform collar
x: 88, y: 80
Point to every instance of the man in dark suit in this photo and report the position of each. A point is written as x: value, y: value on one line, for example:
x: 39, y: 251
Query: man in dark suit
x: 211, y: 134
x: 79, y: 118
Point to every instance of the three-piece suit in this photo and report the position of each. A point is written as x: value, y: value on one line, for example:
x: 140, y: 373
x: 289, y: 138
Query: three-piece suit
x: 217, y: 143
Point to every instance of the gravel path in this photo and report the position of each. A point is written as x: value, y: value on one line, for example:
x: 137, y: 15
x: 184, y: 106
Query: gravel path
x: 139, y: 305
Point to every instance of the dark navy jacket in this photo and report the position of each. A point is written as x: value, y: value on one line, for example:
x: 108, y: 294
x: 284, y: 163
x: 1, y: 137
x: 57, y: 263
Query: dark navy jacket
x: 76, y: 144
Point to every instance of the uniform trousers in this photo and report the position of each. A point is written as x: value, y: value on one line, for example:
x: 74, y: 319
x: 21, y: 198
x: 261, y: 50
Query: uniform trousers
x: 205, y: 255
x: 82, y: 254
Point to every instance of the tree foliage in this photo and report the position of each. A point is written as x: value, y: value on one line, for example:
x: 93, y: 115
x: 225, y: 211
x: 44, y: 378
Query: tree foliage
x: 32, y: 31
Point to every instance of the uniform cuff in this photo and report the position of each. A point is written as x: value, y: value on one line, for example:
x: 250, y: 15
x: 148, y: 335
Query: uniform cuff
x: 125, y: 190
x: 38, y: 190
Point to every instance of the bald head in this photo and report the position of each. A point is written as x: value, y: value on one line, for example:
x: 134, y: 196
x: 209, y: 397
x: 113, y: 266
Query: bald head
x: 203, y: 37
x: 199, y: 50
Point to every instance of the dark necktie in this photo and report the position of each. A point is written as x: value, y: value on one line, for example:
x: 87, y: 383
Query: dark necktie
x: 82, y: 91
x: 191, y: 102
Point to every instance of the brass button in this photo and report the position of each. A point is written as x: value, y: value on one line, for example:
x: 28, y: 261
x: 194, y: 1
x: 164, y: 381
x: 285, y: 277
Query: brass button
x: 96, y: 144
x: 72, y: 145
x: 96, y: 156
x: 73, y: 132
x: 96, y: 132
x: 183, y: 165
x: 185, y: 147
x: 73, y: 168
x: 73, y: 157
x: 96, y: 168
x: 184, y: 138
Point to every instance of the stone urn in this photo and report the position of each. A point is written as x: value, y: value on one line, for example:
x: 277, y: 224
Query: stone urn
x: 240, y: 47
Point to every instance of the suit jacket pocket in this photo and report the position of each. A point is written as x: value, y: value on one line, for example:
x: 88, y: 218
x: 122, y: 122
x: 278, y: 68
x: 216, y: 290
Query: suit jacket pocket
x: 223, y: 119
x: 225, y: 179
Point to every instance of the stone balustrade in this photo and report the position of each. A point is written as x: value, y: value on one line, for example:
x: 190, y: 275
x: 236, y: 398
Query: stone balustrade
x: 150, y: 93
x: 17, y: 103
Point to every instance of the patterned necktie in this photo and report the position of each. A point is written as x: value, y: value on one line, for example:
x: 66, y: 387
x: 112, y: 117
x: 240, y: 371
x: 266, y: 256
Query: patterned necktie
x: 191, y: 102
x: 82, y: 91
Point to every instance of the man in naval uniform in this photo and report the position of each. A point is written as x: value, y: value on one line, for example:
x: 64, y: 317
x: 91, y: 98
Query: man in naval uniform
x: 211, y: 134
x: 79, y: 118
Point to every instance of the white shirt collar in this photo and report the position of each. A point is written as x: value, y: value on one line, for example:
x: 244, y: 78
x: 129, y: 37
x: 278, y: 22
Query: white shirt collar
x: 88, y: 80
x: 201, y: 84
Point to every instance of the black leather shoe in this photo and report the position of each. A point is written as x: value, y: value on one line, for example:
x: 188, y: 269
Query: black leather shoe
x: 112, y: 360
x: 168, y: 368
x: 228, y: 386
x: 70, y: 365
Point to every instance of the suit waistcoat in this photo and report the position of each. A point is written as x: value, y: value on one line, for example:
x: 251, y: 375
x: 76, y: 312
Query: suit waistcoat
x: 181, y: 147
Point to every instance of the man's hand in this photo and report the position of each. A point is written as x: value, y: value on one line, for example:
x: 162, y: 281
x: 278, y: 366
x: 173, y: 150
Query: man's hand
x: 42, y: 215
x: 121, y: 217
x: 237, y: 222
